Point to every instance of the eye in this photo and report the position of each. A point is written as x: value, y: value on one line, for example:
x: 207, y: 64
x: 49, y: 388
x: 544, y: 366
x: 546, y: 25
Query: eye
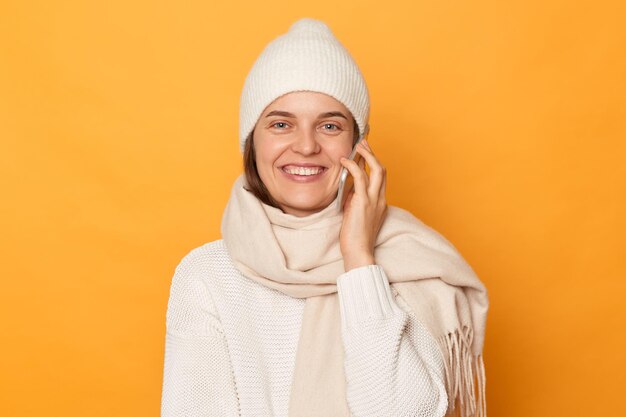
x: 332, y: 125
x: 279, y: 123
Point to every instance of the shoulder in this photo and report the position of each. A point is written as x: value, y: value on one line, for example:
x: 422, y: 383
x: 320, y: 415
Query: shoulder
x: 201, y: 263
x: 401, y: 221
x: 204, y: 255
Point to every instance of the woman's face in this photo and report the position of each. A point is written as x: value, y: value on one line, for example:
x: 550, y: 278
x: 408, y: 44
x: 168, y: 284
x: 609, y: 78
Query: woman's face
x: 297, y: 130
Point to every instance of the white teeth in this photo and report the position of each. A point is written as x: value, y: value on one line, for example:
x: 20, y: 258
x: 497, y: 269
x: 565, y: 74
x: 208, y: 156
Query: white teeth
x: 303, y: 171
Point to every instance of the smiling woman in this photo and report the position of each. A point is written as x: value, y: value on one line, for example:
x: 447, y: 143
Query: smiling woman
x: 256, y: 185
x: 313, y: 130
x: 307, y: 309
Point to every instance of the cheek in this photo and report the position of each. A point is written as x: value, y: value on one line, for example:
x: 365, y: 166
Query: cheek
x: 263, y: 163
x: 336, y: 152
x: 266, y: 155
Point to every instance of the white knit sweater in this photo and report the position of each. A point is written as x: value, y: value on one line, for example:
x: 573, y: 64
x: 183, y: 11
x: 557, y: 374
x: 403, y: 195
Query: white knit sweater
x: 231, y: 343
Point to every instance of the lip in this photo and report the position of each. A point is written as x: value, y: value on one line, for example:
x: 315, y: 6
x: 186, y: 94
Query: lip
x: 304, y: 178
x: 303, y: 164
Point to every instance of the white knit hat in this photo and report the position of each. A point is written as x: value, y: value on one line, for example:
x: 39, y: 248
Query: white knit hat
x: 306, y: 58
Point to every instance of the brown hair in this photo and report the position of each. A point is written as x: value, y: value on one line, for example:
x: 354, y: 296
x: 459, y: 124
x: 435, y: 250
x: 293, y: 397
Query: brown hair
x: 256, y: 186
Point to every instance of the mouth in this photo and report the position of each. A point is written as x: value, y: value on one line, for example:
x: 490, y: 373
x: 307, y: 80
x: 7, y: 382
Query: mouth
x: 303, y: 173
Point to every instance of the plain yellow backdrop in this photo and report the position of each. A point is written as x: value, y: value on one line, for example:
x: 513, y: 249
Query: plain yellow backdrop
x: 502, y: 125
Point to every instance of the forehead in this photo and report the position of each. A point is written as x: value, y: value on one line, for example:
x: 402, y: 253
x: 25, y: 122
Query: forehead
x: 306, y: 102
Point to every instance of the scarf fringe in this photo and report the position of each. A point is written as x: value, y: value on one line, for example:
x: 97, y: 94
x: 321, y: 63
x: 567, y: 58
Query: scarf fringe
x: 462, y: 370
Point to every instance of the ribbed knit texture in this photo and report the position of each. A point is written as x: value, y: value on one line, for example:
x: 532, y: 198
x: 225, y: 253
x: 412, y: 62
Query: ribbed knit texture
x: 307, y: 57
x: 231, y: 344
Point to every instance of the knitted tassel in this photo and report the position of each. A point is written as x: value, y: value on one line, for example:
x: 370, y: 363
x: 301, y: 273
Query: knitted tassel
x: 462, y: 368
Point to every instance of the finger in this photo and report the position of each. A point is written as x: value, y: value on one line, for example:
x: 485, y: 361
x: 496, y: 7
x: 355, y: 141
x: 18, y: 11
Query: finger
x: 366, y: 179
x: 383, y: 187
x: 377, y: 171
x: 362, y: 165
x: 360, y: 178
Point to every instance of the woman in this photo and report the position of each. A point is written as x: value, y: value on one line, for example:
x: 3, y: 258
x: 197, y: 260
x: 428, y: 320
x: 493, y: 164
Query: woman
x: 305, y: 309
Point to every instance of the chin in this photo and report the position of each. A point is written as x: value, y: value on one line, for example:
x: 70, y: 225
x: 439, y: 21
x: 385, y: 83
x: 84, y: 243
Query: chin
x: 305, y: 204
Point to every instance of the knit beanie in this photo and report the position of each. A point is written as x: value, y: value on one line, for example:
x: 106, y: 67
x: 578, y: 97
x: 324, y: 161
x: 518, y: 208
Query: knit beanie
x: 306, y: 58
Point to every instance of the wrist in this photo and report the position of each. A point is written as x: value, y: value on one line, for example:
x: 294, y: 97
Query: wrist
x: 357, y: 261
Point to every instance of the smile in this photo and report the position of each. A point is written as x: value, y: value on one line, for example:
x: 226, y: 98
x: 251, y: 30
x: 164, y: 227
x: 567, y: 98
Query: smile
x: 303, y: 174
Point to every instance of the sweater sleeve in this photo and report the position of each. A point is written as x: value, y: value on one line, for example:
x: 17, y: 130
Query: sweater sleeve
x: 393, y: 365
x: 197, y: 376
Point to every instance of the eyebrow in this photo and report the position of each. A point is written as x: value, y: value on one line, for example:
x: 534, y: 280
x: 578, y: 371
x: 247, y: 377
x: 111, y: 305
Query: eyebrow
x: 321, y: 116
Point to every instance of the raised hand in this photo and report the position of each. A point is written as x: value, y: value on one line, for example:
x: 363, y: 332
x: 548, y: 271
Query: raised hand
x: 364, y: 210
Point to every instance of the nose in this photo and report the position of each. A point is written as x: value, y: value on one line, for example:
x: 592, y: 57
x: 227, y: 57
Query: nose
x: 305, y: 143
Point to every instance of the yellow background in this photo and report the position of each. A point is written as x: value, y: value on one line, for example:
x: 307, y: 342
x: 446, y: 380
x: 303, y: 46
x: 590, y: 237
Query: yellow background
x: 501, y: 123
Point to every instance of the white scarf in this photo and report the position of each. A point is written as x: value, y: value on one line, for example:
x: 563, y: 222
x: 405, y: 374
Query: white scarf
x: 301, y: 257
